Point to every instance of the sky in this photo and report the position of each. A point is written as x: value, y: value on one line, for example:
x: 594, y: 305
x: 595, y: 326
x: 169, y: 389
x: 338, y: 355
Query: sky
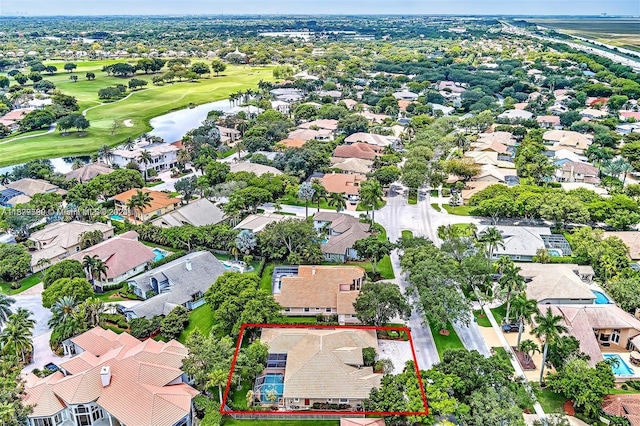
x: 310, y: 7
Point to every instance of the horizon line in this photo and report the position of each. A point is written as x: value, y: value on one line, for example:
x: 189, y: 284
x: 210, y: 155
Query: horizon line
x: 18, y: 15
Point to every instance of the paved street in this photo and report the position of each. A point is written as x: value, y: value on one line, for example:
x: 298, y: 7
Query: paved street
x: 422, y: 220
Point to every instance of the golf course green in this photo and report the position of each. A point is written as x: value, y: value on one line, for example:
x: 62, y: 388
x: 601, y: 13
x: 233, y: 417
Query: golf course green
x: 132, y: 114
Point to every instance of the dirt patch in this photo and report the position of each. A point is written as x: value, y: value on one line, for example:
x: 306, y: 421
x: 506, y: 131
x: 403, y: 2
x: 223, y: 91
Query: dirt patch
x: 526, y: 363
x: 128, y: 123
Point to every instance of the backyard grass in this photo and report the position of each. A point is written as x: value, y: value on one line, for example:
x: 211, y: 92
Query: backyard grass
x: 436, y: 207
x: 413, y: 199
x: 452, y: 341
x: 237, y: 396
x: 459, y: 210
x: 551, y: 402
x: 139, y: 107
x: 298, y: 422
x: 463, y: 228
x: 200, y: 318
x: 107, y: 296
x: 25, y: 284
x: 482, y: 321
x: 265, y: 280
x: 291, y: 199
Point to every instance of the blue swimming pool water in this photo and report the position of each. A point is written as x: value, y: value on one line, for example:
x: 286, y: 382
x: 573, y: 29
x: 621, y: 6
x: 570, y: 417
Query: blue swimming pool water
x: 116, y: 217
x: 159, y: 254
x: 621, y: 369
x: 601, y: 298
x: 555, y: 253
x: 272, y: 381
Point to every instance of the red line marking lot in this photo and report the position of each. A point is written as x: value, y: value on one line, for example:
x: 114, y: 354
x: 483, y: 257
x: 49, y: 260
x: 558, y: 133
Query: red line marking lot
x: 337, y: 412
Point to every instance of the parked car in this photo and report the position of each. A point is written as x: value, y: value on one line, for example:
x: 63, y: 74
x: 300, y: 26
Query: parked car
x: 510, y: 328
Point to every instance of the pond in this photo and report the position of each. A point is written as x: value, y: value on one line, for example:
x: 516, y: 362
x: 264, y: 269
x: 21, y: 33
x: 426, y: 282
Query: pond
x: 170, y: 127
x: 173, y: 126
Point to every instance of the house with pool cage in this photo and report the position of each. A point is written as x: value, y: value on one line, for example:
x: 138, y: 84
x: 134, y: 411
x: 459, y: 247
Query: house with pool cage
x: 319, y: 369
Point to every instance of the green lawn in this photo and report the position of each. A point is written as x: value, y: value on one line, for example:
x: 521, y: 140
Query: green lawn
x: 551, y: 402
x: 292, y: 199
x: 301, y: 319
x: 140, y: 107
x: 499, y: 313
x: 239, y: 396
x: 25, y: 284
x: 200, y: 318
x: 383, y: 268
x: 265, y: 280
x: 406, y: 234
x: 452, y: 341
x: 464, y: 228
x: 482, y: 321
x: 459, y: 210
x: 436, y: 207
x: 363, y: 208
x: 413, y: 199
x: 298, y: 422
x: 106, y: 296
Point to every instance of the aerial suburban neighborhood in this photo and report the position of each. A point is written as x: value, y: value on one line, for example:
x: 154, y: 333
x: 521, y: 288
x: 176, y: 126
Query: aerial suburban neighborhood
x: 320, y: 218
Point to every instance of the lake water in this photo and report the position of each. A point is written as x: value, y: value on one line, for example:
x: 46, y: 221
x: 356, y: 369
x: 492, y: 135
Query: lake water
x: 170, y: 127
x: 173, y: 126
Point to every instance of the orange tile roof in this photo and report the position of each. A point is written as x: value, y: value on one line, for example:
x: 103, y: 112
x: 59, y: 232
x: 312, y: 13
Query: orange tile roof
x: 292, y: 143
x: 342, y: 182
x: 624, y: 406
x: 140, y: 372
x: 159, y: 199
x: 320, y: 287
x: 360, y: 150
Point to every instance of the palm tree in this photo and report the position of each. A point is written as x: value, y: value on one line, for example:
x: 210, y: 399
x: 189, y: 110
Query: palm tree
x: 66, y: 319
x: 183, y: 158
x: 139, y: 201
x: 492, y: 237
x: 462, y: 142
x: 145, y: 158
x: 42, y: 264
x: 129, y: 144
x: 5, y: 308
x: 88, y: 262
x: 100, y: 269
x: 337, y: 201
x: 524, y: 309
x: 92, y: 310
x: 320, y: 193
x: 15, y: 338
x: 511, y: 282
x: 217, y: 378
x: 371, y: 194
x: 106, y: 154
x: 233, y: 249
x: 305, y: 193
x: 502, y: 263
x: 528, y: 348
x: 549, y: 328
x: 5, y: 178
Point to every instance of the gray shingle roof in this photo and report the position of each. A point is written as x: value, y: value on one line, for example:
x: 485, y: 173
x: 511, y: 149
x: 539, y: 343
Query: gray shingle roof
x: 184, y: 282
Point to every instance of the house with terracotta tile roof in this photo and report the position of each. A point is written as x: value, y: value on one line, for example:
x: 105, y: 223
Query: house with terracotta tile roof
x: 113, y: 380
x: 549, y: 121
x: 161, y: 203
x: 58, y: 240
x: 344, y: 183
x: 318, y: 366
x: 331, y: 125
x: 360, y: 150
x: 291, y: 143
x: 627, y: 406
x: 567, y: 139
x: 342, y: 232
x: 572, y: 171
x: 352, y: 165
x: 123, y: 255
x: 308, y: 290
x: 309, y: 134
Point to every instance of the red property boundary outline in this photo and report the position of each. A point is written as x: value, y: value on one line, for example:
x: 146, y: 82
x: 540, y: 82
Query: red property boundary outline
x: 306, y: 413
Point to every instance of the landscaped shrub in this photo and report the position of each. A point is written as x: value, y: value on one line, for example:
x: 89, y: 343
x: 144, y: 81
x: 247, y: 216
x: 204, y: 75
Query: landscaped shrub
x: 142, y: 327
x: 174, y: 323
x: 68, y: 268
x: 113, y: 287
x: 369, y: 356
x: 117, y: 319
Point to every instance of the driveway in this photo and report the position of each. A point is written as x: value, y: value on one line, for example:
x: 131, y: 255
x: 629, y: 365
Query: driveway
x: 31, y: 299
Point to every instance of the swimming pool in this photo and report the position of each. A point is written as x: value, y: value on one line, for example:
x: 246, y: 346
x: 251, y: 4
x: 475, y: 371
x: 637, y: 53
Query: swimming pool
x: 621, y: 369
x: 555, y: 252
x: 270, y: 385
x: 601, y: 298
x: 160, y: 254
x: 117, y: 217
